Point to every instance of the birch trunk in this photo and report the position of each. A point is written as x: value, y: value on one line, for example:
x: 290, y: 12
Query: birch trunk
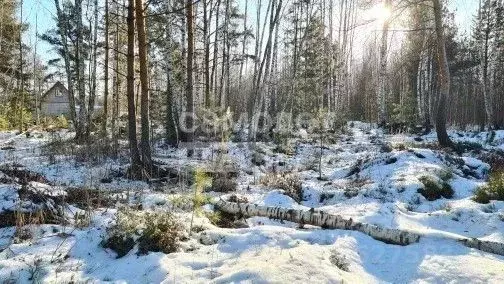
x: 81, y: 127
x: 206, y: 20
x: 106, y: 72
x: 136, y: 163
x: 213, y: 77
x: 92, y: 93
x: 484, y: 70
x: 329, y: 221
x: 382, y: 96
x: 244, y: 45
x: 319, y: 218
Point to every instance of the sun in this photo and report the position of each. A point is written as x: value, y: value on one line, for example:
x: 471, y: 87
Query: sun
x: 379, y: 13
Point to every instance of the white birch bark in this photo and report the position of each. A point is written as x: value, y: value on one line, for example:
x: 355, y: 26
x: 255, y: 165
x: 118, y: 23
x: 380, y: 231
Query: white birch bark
x: 319, y: 218
x: 382, y: 108
x: 329, y: 221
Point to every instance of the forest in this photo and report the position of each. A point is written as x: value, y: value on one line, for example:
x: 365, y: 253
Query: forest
x: 254, y: 141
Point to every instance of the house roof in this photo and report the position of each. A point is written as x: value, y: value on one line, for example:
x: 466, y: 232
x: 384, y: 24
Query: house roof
x: 57, y: 84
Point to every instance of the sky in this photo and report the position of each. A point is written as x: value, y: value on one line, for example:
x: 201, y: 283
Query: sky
x: 40, y: 13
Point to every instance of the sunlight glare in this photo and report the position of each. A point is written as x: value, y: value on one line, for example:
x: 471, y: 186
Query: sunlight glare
x: 380, y: 13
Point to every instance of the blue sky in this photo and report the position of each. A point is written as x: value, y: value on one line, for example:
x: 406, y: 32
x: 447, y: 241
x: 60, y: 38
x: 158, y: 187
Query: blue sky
x: 40, y: 12
x: 44, y: 10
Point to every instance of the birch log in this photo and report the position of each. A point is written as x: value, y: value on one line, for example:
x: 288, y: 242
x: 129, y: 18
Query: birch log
x: 329, y: 221
x: 319, y: 218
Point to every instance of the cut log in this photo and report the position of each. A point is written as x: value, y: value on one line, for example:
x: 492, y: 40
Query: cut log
x: 319, y: 218
x: 483, y: 245
x: 329, y: 221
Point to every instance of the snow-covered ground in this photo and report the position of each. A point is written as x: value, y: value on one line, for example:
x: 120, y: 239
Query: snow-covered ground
x: 384, y: 191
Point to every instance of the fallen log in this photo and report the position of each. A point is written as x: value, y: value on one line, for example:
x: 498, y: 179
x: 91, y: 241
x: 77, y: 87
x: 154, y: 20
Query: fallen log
x: 329, y: 221
x: 321, y: 219
x: 483, y: 245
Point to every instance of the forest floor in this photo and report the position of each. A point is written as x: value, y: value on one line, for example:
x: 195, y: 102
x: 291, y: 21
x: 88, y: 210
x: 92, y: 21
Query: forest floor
x: 366, y: 175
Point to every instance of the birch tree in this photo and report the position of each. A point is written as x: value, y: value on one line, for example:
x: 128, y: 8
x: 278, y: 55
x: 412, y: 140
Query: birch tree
x: 382, y: 80
x: 136, y: 163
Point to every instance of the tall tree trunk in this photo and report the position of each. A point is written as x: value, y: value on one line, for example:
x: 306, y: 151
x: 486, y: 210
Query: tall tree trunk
x: 106, y: 71
x: 189, y: 83
x: 261, y: 81
x: 36, y: 78
x: 81, y: 127
x: 444, y: 78
x: 206, y: 39
x: 224, y: 95
x: 92, y: 93
x: 136, y: 163
x: 117, y: 87
x: 171, y: 112
x: 484, y: 66
x: 63, y: 31
x: 382, y: 96
x: 171, y: 120
x: 244, y: 45
x: 213, y: 76
x: 21, y: 77
x: 274, y: 73
x: 144, y: 86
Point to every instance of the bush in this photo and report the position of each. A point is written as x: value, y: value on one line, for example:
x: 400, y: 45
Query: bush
x: 288, y: 182
x: 61, y: 122
x: 223, y: 184
x: 258, y: 159
x: 494, y: 190
x: 466, y: 146
x: 13, y: 116
x: 120, y: 243
x: 161, y: 234
x: 4, y: 123
x: 152, y: 231
x: 339, y: 261
x: 434, y: 190
x: 445, y: 174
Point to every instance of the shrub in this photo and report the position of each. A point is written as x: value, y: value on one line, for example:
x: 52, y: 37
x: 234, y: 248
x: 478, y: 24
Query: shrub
x: 61, y: 122
x: 481, y: 196
x: 162, y: 233
x: 400, y: 147
x: 13, y: 115
x: 286, y: 149
x: 223, y: 184
x: 223, y: 219
x: 466, y: 146
x: 434, y: 190
x: 120, y: 243
x: 152, y: 231
x: 339, y: 261
x: 4, y: 123
x: 258, y: 159
x: 288, y: 182
x: 445, y: 174
x: 494, y: 190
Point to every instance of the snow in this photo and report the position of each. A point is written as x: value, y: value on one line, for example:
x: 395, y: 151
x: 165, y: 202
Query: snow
x: 384, y: 192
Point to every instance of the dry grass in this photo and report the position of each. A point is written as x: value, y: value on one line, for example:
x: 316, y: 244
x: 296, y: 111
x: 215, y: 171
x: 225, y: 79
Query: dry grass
x: 290, y: 183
